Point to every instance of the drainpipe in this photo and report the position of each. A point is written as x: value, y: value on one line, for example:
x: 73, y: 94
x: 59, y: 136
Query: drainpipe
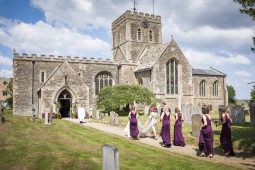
x: 33, y: 77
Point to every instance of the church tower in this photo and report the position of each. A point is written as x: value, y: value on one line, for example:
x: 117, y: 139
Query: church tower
x: 132, y: 32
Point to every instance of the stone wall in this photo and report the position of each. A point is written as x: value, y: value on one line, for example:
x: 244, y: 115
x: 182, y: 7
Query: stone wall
x: 209, y: 99
x: 124, y: 31
x: 83, y: 68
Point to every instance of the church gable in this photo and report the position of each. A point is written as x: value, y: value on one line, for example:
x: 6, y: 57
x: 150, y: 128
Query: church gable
x: 62, y: 76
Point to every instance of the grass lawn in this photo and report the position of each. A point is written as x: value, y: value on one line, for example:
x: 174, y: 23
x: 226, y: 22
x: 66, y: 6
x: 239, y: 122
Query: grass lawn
x: 242, y: 135
x: 65, y: 145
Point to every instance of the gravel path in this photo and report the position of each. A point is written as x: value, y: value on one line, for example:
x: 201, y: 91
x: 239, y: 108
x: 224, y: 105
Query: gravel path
x: 241, y: 160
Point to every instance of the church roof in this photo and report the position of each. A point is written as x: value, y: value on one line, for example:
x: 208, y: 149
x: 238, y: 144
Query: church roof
x: 150, y: 56
x: 208, y: 72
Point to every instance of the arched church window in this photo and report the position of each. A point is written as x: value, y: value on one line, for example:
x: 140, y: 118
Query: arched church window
x: 150, y: 36
x: 42, y: 76
x: 202, y: 88
x: 139, y: 34
x: 172, y: 77
x: 215, y: 88
x: 103, y: 79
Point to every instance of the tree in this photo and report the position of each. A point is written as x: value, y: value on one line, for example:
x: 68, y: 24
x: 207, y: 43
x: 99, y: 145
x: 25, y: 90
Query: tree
x: 248, y: 7
x: 116, y: 97
x: 253, y: 93
x: 231, y: 94
x: 10, y: 92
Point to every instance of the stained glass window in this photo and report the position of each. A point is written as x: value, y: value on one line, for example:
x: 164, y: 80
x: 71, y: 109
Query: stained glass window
x: 172, y: 77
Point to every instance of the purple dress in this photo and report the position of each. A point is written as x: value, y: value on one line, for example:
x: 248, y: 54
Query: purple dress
x: 225, y: 137
x: 165, y: 130
x: 206, y: 138
x: 178, y: 136
x: 134, y: 132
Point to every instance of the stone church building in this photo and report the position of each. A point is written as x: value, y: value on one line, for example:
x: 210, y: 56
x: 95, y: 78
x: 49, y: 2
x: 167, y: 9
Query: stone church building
x: 138, y: 57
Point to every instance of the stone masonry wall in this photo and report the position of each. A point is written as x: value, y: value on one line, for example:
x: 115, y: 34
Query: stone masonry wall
x: 209, y: 99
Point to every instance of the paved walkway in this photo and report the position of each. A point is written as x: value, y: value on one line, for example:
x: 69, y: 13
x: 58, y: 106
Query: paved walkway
x: 241, y: 160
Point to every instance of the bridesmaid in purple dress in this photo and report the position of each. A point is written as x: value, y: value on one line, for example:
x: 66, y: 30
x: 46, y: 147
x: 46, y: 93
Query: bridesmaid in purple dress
x: 225, y: 136
x: 178, y: 136
x: 133, y: 116
x: 165, y: 130
x: 206, y: 135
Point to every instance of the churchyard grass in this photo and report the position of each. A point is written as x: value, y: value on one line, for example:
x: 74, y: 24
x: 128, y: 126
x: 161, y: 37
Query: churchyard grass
x: 25, y: 144
x: 242, y: 135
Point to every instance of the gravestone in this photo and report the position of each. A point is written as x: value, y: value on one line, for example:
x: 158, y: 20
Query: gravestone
x: 146, y: 110
x: 252, y: 112
x: 106, y: 115
x: 97, y: 115
x: 110, y: 157
x: 114, y: 118
x: 230, y: 106
x: 196, y: 124
x: 101, y: 116
x: 237, y: 114
x: 46, y: 120
x: 189, y: 110
x: 246, y: 112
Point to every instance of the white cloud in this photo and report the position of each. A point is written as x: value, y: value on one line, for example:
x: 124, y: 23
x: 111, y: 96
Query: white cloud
x: 44, y: 38
x: 243, y: 73
x: 200, y: 59
x: 5, y: 60
x: 6, y: 73
x: 80, y: 13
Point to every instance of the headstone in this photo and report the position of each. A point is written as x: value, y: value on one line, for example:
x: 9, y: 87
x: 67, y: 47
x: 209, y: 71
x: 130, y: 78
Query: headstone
x: 97, y: 115
x: 189, y: 110
x: 246, y: 112
x: 110, y: 157
x: 196, y: 124
x: 237, y: 113
x: 230, y: 106
x: 114, y: 118
x: 46, y: 118
x: 106, y: 115
x: 146, y: 110
x: 252, y: 112
x: 101, y: 116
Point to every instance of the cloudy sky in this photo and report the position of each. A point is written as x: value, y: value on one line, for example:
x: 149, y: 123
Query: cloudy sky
x: 211, y: 33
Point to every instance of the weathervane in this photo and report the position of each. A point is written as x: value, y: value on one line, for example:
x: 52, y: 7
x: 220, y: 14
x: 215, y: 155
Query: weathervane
x: 134, y: 6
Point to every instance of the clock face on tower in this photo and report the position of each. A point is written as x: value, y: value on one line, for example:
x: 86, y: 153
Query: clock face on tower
x: 145, y: 23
